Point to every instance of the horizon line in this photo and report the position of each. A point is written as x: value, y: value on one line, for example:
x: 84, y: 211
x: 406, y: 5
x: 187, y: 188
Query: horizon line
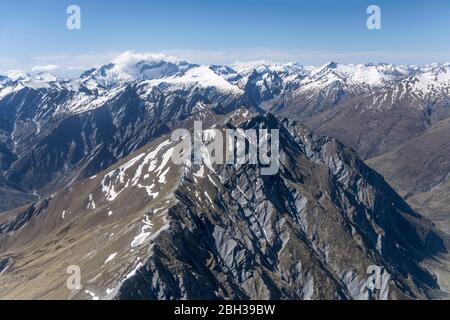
x: 57, y: 63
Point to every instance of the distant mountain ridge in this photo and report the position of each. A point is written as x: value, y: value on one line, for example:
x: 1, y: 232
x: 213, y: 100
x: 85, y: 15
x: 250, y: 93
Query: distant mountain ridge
x: 426, y: 79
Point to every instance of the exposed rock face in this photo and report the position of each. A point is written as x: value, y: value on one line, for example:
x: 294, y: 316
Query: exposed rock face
x: 147, y: 229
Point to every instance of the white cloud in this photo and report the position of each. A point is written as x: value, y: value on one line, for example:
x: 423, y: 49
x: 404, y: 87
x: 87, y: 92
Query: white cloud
x: 46, y: 68
x: 130, y: 58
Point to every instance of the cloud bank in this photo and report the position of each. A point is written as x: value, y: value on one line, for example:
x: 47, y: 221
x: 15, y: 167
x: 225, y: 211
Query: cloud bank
x: 46, y: 68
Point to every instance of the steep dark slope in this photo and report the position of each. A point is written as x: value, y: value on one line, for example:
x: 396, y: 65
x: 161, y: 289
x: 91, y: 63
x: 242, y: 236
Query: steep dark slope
x: 419, y: 170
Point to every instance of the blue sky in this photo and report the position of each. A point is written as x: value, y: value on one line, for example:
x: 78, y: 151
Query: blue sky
x: 33, y: 32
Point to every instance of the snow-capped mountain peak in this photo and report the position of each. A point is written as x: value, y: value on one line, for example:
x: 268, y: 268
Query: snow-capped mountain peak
x: 46, y: 77
x: 17, y: 75
x: 198, y: 76
x: 264, y: 67
x: 360, y: 74
x: 136, y: 67
x: 18, y: 78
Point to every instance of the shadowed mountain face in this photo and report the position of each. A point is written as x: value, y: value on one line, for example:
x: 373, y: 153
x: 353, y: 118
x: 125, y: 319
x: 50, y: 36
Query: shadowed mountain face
x: 148, y: 229
x: 427, y: 189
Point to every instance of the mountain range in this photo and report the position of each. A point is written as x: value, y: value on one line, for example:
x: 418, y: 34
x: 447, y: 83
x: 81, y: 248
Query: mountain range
x: 73, y: 154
